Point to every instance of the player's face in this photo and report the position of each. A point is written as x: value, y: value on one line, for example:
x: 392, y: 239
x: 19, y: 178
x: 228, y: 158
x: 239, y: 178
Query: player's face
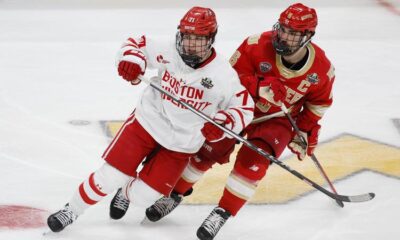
x: 195, y: 45
x: 290, y: 37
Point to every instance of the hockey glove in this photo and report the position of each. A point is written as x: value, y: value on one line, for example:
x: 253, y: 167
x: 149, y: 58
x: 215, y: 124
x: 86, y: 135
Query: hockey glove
x: 131, y: 63
x: 271, y: 90
x: 211, y: 132
x: 299, y: 148
x: 129, y: 71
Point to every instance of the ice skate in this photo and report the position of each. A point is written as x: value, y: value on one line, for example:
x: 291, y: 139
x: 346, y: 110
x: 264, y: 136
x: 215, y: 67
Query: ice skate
x: 213, y: 223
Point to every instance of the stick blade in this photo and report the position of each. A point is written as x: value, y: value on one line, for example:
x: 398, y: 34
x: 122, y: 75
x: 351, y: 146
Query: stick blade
x: 340, y: 203
x: 357, y: 198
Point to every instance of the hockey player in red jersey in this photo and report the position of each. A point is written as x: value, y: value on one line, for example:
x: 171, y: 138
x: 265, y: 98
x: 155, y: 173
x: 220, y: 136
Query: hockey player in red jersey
x: 161, y: 130
x: 278, y: 66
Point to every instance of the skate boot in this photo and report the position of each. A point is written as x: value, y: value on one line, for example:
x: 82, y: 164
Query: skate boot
x: 119, y: 205
x: 163, y: 206
x: 59, y: 220
x: 213, y: 224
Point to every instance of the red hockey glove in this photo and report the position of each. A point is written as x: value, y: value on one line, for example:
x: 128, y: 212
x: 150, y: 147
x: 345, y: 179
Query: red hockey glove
x: 211, y: 132
x: 271, y: 90
x: 297, y: 146
x: 131, y: 62
x: 129, y: 71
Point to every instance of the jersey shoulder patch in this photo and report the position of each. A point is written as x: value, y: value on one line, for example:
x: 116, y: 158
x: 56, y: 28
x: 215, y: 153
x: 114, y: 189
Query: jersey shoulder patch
x: 253, y: 39
x: 233, y: 60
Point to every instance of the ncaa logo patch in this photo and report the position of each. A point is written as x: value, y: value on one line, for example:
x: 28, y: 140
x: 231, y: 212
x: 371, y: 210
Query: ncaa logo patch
x: 265, y: 67
x: 312, y: 78
x: 207, y: 83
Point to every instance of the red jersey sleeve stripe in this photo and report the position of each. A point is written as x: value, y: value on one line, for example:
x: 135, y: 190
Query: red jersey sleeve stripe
x: 137, y: 55
x: 129, y: 52
x: 241, y: 117
x: 132, y: 41
x: 131, y: 45
x: 228, y: 116
x: 142, y: 42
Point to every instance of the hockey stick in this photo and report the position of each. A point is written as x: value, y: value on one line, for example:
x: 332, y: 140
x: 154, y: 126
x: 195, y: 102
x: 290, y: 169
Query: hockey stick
x: 268, y: 117
x: 313, y: 157
x: 344, y: 198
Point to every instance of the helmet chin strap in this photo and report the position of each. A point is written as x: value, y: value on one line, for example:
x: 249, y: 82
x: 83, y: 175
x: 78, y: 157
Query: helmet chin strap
x: 301, y: 46
x: 307, y: 41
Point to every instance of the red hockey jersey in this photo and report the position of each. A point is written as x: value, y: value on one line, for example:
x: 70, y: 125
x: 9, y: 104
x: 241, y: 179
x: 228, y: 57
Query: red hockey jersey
x: 309, y: 89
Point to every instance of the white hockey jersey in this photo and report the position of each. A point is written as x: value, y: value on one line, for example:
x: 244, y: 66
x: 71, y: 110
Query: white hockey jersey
x: 212, y: 87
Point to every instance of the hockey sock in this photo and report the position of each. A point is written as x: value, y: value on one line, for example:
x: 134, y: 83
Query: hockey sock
x: 236, y: 193
x: 100, y: 183
x: 190, y: 176
x: 183, y: 187
x: 141, y: 193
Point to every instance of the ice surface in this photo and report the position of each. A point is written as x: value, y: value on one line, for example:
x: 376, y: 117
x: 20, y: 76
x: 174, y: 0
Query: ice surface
x: 57, y: 65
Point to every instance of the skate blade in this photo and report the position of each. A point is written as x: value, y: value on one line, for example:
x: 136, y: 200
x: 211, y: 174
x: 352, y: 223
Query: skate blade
x: 47, y: 233
x: 145, y: 221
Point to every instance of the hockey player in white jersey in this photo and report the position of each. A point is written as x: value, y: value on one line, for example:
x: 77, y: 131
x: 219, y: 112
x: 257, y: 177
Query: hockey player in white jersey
x: 189, y: 68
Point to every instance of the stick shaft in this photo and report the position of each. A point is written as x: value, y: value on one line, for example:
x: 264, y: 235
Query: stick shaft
x: 242, y: 140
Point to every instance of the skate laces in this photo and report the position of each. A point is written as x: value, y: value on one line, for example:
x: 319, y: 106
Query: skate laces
x: 65, y: 216
x: 214, y: 222
x: 121, y: 202
x: 165, y: 205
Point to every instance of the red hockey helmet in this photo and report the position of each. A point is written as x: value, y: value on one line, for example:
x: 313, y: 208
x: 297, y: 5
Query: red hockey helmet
x: 196, y: 35
x: 294, y: 29
x: 199, y: 21
x: 299, y: 18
